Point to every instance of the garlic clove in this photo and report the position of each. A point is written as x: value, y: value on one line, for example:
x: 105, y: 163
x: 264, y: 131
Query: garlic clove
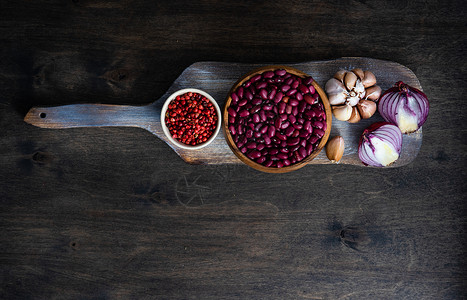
x: 369, y: 79
x: 355, y: 116
x: 359, y: 89
x: 342, y: 112
x: 337, y: 99
x: 353, y: 99
x: 350, y: 79
x: 366, y: 108
x: 359, y: 72
x: 340, y: 75
x: 334, y: 86
x: 373, y: 93
x: 335, y: 149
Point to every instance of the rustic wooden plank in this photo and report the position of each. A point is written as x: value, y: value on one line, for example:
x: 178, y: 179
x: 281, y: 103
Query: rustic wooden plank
x: 217, y: 78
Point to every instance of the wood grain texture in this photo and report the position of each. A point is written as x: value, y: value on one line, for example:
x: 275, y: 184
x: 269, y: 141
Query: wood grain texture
x: 114, y: 213
x: 217, y: 79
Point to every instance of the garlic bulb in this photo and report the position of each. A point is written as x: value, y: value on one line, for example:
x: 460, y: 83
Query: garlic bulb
x: 347, y: 89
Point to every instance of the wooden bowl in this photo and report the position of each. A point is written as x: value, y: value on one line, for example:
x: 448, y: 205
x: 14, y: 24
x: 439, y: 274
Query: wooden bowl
x: 254, y: 164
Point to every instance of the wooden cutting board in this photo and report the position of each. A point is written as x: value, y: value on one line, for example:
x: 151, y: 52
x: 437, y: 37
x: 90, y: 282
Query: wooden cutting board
x: 216, y: 78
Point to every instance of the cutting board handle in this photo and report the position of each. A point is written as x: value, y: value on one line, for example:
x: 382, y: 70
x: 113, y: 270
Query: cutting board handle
x: 90, y: 115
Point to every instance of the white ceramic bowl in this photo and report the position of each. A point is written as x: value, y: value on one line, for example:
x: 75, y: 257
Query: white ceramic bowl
x: 166, y: 130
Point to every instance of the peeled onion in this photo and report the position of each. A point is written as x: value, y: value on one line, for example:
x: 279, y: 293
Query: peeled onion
x: 405, y: 106
x: 380, y: 144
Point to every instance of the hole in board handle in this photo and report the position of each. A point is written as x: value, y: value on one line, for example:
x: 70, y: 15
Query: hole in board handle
x: 43, y: 115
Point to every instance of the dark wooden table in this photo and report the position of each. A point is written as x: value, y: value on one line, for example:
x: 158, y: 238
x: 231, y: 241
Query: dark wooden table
x: 114, y: 213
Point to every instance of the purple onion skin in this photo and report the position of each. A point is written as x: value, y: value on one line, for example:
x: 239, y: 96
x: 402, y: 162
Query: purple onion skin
x: 384, y: 130
x: 396, y: 100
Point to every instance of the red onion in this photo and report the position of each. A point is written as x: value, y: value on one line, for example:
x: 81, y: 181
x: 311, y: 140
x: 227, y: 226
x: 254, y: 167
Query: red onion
x: 380, y: 144
x: 405, y: 106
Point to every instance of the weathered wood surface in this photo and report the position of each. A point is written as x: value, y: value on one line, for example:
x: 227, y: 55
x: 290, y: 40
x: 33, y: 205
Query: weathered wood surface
x: 114, y: 213
x: 217, y: 78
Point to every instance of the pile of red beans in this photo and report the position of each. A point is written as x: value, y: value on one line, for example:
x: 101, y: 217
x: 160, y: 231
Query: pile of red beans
x: 191, y: 118
x: 276, y: 118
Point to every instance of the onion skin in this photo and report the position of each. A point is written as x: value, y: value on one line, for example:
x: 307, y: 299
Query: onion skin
x: 380, y: 144
x: 405, y: 106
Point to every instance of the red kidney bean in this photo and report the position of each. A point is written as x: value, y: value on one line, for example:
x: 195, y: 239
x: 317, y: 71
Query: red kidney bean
x: 256, y: 101
x: 244, y: 113
x: 248, y: 95
x: 280, y: 72
x: 261, y: 85
x: 268, y: 74
x: 273, y: 158
x: 272, y: 94
x: 268, y: 163
x: 282, y: 155
x: 292, y: 141
x: 303, y: 143
x: 313, y: 139
x: 240, y: 92
x: 240, y: 129
x: 232, y: 111
x: 251, y: 126
x: 294, y: 148
x: 243, y: 150
x: 295, y: 84
x: 299, y: 96
x: 257, y: 134
x: 285, y: 124
x: 234, y: 98
x: 278, y: 122
x: 300, y: 120
x: 258, y: 126
x: 317, y: 124
x: 263, y: 93
x: 307, y: 125
x: 307, y: 80
x: 263, y: 129
x: 278, y: 97
x: 273, y: 151
x: 286, y: 162
x: 231, y: 119
x: 293, y: 102
x: 288, y: 109
x: 279, y: 164
x: 295, y: 133
x: 289, y: 130
x: 283, y: 117
x: 262, y: 115
x: 254, y: 154
x: 303, y: 89
x: 271, y: 131
x: 242, y: 102
x: 280, y: 136
x: 255, y: 78
x: 292, y: 160
x: 232, y: 129
x: 295, y: 111
x: 309, y: 114
x: 281, y: 107
x: 242, y: 141
x: 270, y: 114
x: 309, y: 99
x: 285, y: 88
x: 297, y: 126
x: 312, y: 89
x: 260, y: 147
x: 297, y: 156
x: 250, y: 145
x: 249, y: 133
x: 267, y: 139
x: 292, y: 119
x: 289, y: 81
x: 318, y: 132
x: 260, y: 159
x: 303, y: 134
x: 302, y: 106
x: 291, y: 92
x: 267, y: 107
x: 309, y: 148
x: 256, y: 118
